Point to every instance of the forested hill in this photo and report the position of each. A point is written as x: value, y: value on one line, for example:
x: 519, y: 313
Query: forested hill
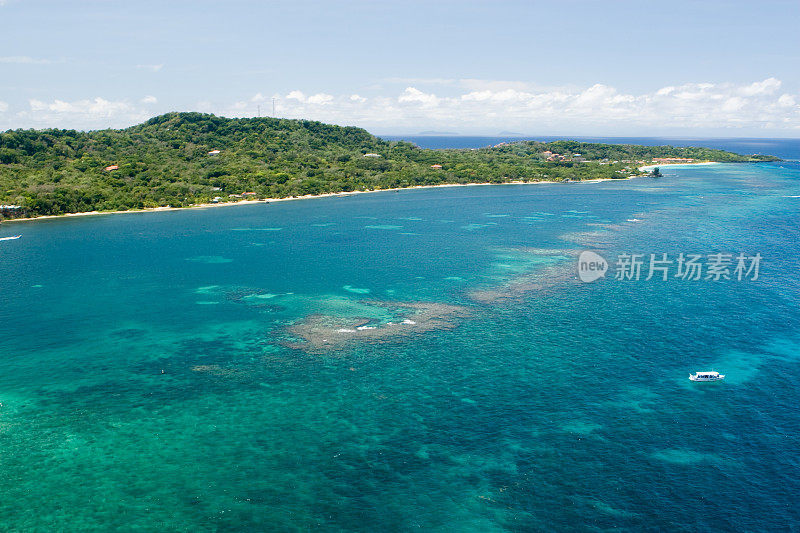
x: 180, y: 159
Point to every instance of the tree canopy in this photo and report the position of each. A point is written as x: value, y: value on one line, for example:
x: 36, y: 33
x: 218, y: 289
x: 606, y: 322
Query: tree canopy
x: 171, y: 160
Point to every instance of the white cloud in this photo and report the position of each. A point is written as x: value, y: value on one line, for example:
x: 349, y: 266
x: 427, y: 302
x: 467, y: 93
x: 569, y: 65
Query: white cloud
x: 692, y: 108
x: 3, y: 107
x: 83, y: 114
x: 415, y: 96
x: 97, y: 107
x: 768, y: 86
x: 151, y: 68
x: 315, y: 99
x: 149, y: 99
x: 486, y: 106
x: 25, y: 60
x: 320, y: 99
x: 504, y: 95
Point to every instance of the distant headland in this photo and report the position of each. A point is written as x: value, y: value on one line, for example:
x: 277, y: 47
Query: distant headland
x: 187, y: 159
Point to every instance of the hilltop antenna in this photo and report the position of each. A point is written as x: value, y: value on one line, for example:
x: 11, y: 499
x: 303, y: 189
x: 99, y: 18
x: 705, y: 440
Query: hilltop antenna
x: 259, y: 111
x: 273, y: 107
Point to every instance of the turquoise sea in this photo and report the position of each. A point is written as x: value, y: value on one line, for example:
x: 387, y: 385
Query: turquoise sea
x: 416, y: 360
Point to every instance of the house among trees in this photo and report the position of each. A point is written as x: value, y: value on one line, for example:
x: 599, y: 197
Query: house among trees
x: 436, y: 167
x: 112, y: 167
x: 372, y: 155
x: 671, y: 160
x: 214, y: 152
x: 11, y: 211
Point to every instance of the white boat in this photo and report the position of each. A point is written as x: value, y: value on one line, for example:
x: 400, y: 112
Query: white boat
x: 707, y: 376
x: 10, y: 238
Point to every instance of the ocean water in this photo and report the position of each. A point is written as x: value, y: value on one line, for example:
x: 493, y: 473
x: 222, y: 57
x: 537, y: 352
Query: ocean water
x: 416, y: 360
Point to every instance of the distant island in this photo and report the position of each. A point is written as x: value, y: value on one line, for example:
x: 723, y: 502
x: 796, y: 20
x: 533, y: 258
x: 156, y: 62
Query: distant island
x: 185, y: 159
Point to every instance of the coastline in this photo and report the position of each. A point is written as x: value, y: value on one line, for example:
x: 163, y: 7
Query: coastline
x: 648, y: 168
x: 306, y: 197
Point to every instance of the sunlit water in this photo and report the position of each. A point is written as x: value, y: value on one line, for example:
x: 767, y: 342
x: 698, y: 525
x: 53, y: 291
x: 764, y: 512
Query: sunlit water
x: 185, y: 370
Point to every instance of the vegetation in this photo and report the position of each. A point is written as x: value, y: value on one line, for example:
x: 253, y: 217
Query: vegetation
x: 166, y: 161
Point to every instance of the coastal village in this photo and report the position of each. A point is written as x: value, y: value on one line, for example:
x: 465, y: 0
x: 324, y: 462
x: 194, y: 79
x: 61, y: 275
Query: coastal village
x: 117, y: 170
x: 12, y: 211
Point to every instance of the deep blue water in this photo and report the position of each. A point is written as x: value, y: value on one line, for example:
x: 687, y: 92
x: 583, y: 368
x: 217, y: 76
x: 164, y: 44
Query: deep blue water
x: 203, y: 369
x: 783, y: 148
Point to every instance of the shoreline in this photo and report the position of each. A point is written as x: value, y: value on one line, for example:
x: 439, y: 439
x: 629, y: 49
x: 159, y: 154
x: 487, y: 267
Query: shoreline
x: 306, y: 197
x: 648, y: 168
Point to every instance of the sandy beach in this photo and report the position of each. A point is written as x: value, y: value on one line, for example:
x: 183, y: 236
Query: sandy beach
x: 648, y: 168
x: 306, y: 197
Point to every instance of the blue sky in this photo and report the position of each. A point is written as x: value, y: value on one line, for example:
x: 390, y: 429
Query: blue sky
x: 707, y: 68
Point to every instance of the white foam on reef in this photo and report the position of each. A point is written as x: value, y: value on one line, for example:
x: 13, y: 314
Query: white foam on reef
x: 356, y: 290
x: 314, y: 331
x: 208, y: 289
x: 323, y: 224
x: 264, y: 296
x: 496, y: 216
x: 383, y: 226
x: 205, y: 302
x: 256, y: 229
x: 475, y: 225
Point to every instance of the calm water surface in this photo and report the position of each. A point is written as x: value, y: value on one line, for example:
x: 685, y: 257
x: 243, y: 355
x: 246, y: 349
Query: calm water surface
x: 204, y: 370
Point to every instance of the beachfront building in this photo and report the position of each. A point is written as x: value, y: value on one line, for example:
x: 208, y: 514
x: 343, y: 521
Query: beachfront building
x: 11, y: 211
x: 671, y: 160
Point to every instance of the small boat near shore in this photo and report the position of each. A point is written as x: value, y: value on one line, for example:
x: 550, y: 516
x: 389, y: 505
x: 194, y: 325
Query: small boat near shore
x: 10, y: 238
x: 706, y: 376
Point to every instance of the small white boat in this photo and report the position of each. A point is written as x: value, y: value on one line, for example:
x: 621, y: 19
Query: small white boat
x: 10, y: 238
x: 707, y: 376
